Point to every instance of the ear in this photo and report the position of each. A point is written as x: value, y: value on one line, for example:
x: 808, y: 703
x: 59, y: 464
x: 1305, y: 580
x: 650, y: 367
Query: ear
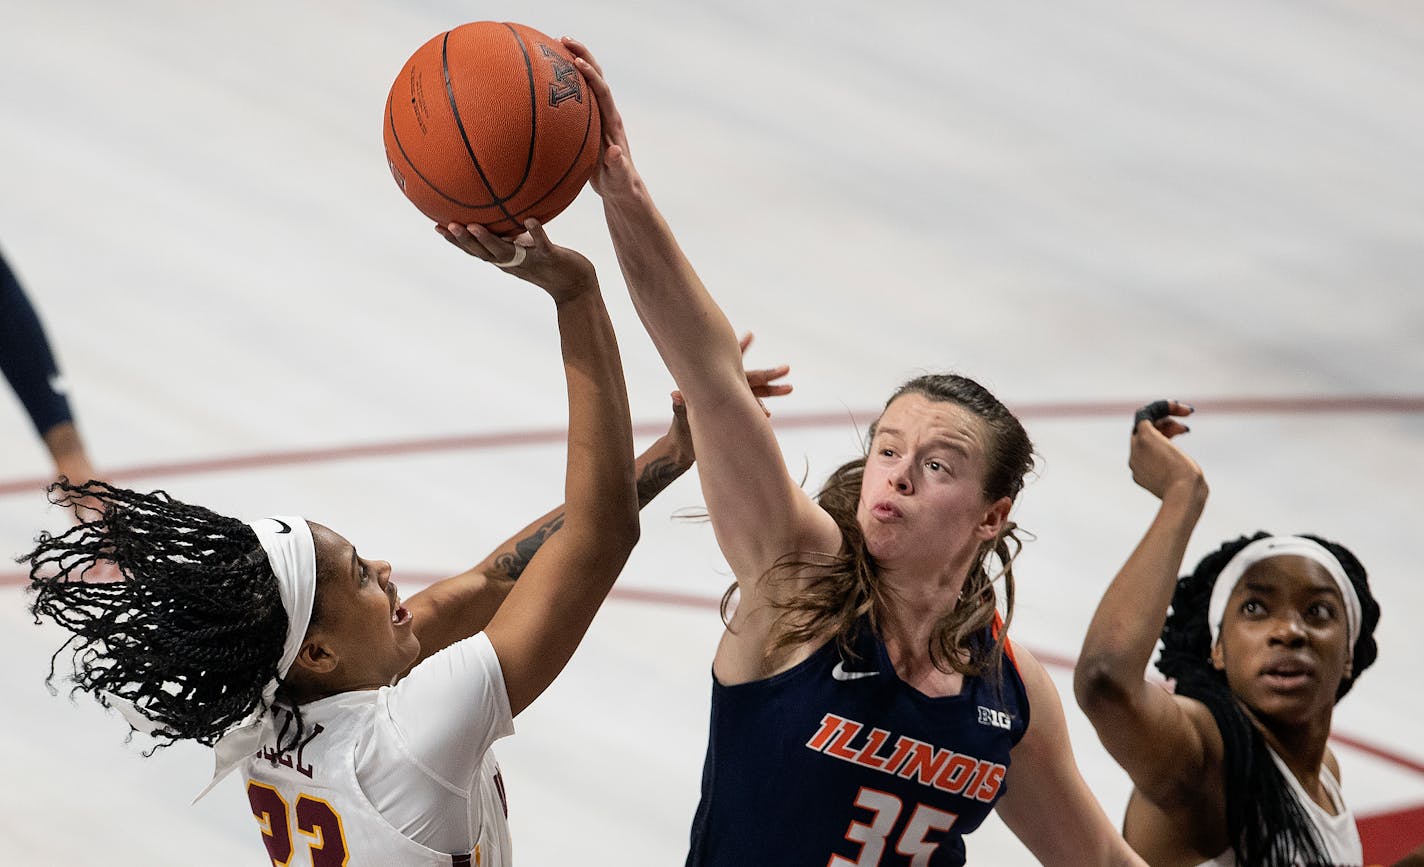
x: 994, y: 519
x: 1218, y: 657
x: 315, y: 657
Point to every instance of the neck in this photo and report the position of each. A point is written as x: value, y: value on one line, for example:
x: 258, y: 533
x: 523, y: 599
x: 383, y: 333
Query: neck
x: 298, y: 693
x: 914, y: 602
x: 913, y: 605
x: 1300, y: 746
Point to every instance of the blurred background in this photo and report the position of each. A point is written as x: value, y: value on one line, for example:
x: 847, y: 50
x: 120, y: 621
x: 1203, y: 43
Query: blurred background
x: 1085, y: 206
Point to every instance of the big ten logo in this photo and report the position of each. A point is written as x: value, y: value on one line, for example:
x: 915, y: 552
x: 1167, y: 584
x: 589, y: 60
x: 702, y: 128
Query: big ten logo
x: 997, y: 718
x: 286, y: 757
x: 567, y: 83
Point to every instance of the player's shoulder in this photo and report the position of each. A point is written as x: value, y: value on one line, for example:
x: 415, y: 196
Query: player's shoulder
x: 1203, y: 724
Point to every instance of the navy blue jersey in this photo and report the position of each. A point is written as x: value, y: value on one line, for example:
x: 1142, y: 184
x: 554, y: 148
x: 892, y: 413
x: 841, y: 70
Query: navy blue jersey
x: 26, y: 359
x: 838, y: 762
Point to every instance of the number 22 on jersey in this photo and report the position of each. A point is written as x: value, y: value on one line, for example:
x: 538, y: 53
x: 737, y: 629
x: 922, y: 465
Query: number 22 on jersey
x: 315, y: 819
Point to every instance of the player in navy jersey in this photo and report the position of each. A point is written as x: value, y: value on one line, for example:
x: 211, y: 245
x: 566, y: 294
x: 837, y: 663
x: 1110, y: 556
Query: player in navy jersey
x: 867, y: 708
x: 1263, y: 637
x: 29, y: 364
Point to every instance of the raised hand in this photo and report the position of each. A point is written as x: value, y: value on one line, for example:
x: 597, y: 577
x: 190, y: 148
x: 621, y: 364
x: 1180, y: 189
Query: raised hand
x: 1156, y: 463
x: 615, y: 175
x: 563, y: 273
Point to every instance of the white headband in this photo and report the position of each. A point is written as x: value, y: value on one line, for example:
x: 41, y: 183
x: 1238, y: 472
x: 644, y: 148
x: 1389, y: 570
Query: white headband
x: 1282, y: 546
x: 291, y: 551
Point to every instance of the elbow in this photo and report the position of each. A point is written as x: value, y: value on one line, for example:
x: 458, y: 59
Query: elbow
x: 599, y: 551
x: 1101, y: 682
x: 603, y: 532
x: 623, y: 533
x: 631, y: 531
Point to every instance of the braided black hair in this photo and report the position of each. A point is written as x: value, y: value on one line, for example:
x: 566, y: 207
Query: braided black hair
x: 193, y: 630
x: 1264, y: 821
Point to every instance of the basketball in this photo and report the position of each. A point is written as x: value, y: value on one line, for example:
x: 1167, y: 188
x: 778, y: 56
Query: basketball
x: 490, y: 123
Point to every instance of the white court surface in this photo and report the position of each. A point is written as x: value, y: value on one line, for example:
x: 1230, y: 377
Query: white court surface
x: 1085, y: 205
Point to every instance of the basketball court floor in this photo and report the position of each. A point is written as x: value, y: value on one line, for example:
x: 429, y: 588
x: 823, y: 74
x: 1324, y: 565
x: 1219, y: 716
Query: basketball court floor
x: 1085, y: 205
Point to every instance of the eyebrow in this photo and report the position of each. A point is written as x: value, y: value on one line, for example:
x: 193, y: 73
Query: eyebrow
x: 943, y: 441
x: 1325, y: 587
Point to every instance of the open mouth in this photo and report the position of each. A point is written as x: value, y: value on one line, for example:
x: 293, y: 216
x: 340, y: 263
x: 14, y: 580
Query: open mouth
x: 1288, y: 677
x: 400, y: 615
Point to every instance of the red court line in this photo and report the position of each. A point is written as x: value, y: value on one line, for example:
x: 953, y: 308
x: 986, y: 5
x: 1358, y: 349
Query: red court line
x: 708, y: 603
x: 509, y: 439
x: 1379, y: 752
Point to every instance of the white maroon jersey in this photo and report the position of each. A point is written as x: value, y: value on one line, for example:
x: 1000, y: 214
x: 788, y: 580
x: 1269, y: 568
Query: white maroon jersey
x: 1337, y: 830
x: 312, y: 810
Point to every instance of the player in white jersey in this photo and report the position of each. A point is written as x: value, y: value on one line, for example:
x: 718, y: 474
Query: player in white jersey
x: 419, y: 784
x: 1263, y: 638
x: 362, y: 724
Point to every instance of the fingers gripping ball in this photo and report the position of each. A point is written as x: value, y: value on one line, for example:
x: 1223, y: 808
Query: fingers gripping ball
x: 490, y: 123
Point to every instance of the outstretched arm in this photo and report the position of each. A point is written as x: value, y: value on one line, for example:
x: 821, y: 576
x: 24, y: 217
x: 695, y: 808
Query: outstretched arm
x: 1166, y: 745
x: 543, y: 619
x: 460, y: 606
x: 29, y: 364
x: 1046, y: 803
x: 757, y: 508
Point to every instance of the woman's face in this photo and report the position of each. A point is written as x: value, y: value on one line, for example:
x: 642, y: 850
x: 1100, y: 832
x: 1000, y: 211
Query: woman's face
x: 358, y: 619
x: 1283, y: 643
x: 922, y: 502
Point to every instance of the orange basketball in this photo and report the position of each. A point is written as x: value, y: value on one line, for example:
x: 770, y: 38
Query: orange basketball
x: 490, y: 123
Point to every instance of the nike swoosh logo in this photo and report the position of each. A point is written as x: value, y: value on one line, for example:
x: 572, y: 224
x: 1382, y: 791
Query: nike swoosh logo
x: 839, y: 673
x: 285, y: 527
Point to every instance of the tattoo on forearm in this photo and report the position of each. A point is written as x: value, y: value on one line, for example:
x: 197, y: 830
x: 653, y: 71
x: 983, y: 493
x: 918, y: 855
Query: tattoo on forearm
x: 512, y: 564
x: 658, y: 474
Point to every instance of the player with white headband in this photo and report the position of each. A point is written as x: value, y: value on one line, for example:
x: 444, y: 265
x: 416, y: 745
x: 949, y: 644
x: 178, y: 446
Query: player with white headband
x: 361, y: 724
x: 1263, y: 638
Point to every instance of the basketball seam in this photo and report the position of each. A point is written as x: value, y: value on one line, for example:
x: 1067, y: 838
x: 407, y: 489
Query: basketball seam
x: 460, y: 125
x: 587, y: 125
x: 533, y: 110
x: 395, y: 134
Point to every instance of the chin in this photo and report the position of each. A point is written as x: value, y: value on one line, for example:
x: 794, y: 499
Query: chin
x: 885, y: 553
x: 1288, y: 710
